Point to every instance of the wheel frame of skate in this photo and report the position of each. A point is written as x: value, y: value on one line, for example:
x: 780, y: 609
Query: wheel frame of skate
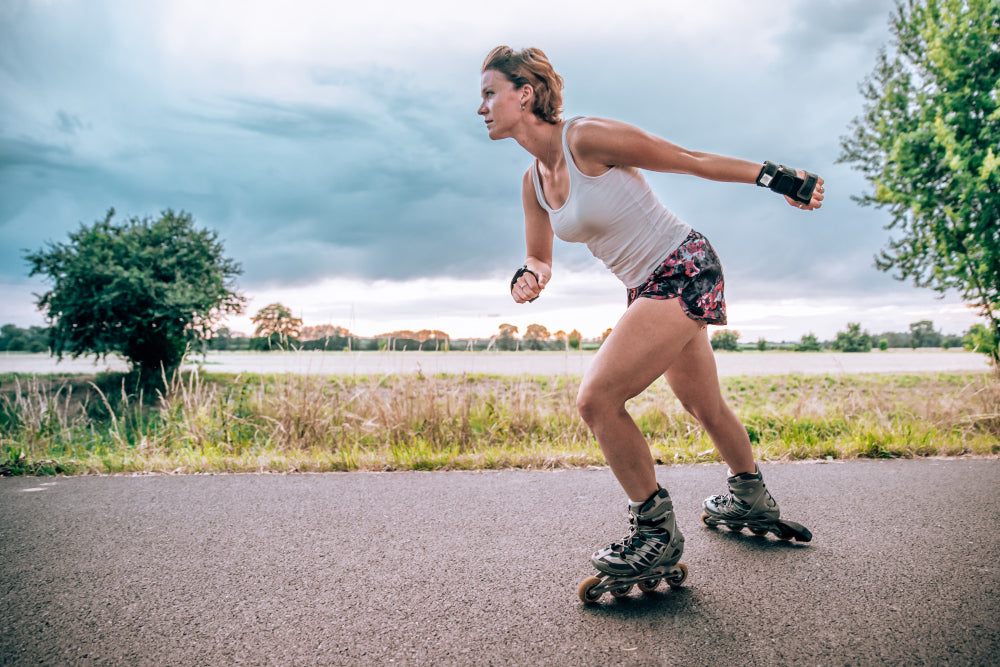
x: 782, y: 529
x: 593, y: 589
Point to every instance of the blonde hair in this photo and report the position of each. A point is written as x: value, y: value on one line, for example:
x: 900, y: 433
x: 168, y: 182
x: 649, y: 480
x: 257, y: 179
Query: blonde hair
x: 530, y: 66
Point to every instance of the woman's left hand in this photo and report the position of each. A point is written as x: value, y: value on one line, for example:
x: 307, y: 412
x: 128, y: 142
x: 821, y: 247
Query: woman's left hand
x: 817, y: 195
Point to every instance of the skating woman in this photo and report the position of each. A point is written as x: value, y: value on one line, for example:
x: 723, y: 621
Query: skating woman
x: 586, y: 185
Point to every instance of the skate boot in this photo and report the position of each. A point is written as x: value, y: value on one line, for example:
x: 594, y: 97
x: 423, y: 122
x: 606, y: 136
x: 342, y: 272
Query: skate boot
x: 649, y: 553
x: 749, y: 504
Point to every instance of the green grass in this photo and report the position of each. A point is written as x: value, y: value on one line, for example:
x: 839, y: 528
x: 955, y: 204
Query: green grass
x: 250, y: 423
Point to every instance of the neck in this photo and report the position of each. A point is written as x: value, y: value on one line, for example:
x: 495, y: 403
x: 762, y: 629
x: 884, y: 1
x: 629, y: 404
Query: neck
x: 544, y: 141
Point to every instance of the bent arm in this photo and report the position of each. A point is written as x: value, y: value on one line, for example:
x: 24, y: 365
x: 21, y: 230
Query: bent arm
x: 538, y: 242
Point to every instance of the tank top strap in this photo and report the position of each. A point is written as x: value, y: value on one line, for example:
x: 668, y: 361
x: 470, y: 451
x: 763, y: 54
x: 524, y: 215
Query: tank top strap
x: 574, y: 173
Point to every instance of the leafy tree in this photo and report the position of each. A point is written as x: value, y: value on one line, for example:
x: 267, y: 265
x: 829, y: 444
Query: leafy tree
x: 323, y: 331
x: 435, y: 335
x: 560, y: 337
x: 951, y: 340
x: 16, y: 339
x: 726, y: 339
x: 981, y: 339
x: 506, y: 338
x: 140, y: 289
x: 809, y: 343
x: 922, y: 334
x: 328, y: 337
x: 575, y: 339
x: 896, y: 339
x: 928, y: 142
x: 276, y: 319
x: 221, y: 339
x: 761, y: 345
x: 537, y: 332
x: 535, y: 336
x: 853, y: 340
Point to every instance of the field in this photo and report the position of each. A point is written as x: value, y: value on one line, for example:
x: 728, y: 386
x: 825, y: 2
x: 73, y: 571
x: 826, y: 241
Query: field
x: 284, y: 422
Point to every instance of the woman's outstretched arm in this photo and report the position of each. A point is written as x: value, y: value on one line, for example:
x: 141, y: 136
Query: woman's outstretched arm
x: 599, y: 143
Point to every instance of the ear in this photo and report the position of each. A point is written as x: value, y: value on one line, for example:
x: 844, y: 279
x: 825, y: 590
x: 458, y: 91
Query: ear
x: 527, y: 92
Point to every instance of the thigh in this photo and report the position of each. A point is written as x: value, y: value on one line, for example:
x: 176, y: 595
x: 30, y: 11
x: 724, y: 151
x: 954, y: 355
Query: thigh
x: 642, y: 346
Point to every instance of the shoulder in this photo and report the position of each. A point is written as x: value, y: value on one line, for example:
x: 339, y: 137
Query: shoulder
x: 527, y: 181
x: 528, y: 196
x: 602, y: 139
x: 589, y: 130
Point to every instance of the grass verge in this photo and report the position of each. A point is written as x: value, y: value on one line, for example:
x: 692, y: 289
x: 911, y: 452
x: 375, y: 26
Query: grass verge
x: 283, y: 423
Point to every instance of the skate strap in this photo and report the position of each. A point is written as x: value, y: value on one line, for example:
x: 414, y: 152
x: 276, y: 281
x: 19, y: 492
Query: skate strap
x: 786, y: 181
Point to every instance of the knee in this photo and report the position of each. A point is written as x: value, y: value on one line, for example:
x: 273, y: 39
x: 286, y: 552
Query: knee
x: 594, y: 405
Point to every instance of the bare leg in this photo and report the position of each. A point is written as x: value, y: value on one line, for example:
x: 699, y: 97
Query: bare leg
x: 694, y: 379
x: 648, y: 340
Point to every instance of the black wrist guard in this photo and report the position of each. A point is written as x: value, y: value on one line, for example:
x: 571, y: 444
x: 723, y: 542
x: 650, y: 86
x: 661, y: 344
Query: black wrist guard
x: 786, y: 182
x: 520, y: 272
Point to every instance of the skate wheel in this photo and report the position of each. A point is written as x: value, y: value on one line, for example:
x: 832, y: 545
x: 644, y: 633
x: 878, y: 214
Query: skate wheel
x: 619, y: 593
x: 735, y: 529
x: 760, y: 532
x: 678, y: 580
x: 585, y: 591
x: 709, y: 521
x: 649, y: 585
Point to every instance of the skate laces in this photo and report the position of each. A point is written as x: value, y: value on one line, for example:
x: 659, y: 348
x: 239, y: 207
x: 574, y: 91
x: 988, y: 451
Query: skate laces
x: 632, y: 542
x: 625, y: 544
x: 728, y: 501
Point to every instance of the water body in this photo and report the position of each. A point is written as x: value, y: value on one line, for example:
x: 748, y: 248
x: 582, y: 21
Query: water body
x: 517, y: 363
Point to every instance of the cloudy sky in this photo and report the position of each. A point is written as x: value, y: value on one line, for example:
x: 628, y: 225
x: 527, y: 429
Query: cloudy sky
x: 335, y: 148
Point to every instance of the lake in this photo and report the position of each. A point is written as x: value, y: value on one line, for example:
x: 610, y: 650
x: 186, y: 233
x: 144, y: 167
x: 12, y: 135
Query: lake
x: 519, y: 363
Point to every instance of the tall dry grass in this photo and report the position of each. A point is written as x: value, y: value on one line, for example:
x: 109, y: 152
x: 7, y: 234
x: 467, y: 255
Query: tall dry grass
x: 220, y: 423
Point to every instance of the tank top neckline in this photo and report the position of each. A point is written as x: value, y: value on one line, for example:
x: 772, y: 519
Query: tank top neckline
x: 570, y: 168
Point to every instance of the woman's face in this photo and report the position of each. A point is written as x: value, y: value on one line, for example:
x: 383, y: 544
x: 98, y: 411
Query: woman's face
x: 501, y: 107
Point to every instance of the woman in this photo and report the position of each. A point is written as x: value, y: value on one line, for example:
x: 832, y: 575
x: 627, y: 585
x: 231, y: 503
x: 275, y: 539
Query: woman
x: 585, y: 186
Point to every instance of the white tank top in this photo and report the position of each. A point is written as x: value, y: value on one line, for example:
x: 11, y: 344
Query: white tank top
x: 617, y: 215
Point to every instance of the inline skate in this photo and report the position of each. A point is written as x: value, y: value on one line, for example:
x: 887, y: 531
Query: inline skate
x: 748, y: 504
x: 649, y: 554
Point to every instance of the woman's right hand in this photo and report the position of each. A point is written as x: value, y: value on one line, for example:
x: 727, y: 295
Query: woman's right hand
x: 527, y: 287
x: 817, y: 195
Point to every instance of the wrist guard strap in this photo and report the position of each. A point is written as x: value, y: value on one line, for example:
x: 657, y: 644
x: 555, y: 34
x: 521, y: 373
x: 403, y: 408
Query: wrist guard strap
x: 785, y: 181
x: 520, y: 272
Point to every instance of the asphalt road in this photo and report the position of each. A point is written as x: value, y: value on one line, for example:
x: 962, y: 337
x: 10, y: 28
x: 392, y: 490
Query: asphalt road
x: 482, y: 568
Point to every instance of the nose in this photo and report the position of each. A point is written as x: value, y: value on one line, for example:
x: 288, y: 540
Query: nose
x: 482, y: 109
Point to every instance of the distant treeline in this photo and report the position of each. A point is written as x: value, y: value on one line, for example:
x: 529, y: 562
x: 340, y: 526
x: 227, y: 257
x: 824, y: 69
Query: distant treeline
x: 32, y: 339
x: 920, y: 335
x: 854, y: 339
x: 224, y: 340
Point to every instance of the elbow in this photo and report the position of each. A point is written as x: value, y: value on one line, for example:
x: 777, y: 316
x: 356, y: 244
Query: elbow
x: 697, y: 164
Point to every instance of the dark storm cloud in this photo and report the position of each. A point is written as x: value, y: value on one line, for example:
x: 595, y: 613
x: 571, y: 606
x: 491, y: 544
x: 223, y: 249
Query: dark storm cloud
x: 334, y: 191
x: 378, y: 172
x: 856, y: 22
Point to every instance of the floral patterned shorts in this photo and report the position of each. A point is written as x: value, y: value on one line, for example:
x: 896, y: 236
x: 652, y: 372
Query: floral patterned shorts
x: 692, y: 273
